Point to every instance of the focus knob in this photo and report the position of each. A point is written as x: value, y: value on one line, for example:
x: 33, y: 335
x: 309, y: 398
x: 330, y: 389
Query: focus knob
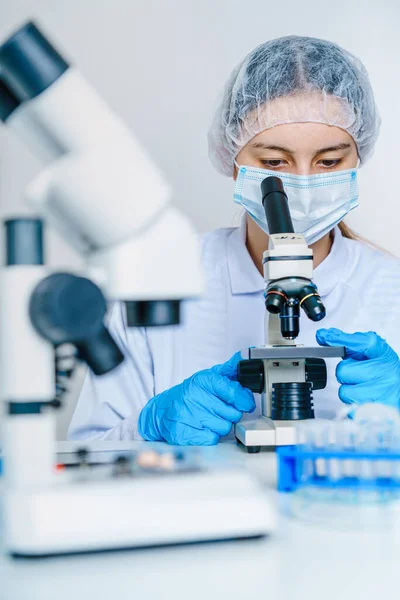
x: 316, y: 373
x: 251, y: 375
x: 65, y: 308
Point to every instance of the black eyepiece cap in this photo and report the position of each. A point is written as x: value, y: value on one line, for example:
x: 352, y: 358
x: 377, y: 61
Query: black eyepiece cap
x: 270, y: 185
x: 8, y: 101
x: 29, y: 64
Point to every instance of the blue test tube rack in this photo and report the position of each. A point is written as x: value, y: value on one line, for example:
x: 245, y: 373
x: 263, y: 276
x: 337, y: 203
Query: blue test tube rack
x: 292, y: 462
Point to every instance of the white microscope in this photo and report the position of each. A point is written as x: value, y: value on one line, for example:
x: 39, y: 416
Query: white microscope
x: 285, y: 374
x: 106, y: 198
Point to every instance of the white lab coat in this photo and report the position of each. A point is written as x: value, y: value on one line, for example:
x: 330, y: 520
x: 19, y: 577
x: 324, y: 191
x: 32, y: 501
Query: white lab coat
x: 360, y: 287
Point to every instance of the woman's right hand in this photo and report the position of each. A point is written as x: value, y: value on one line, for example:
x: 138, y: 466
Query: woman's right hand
x: 200, y: 410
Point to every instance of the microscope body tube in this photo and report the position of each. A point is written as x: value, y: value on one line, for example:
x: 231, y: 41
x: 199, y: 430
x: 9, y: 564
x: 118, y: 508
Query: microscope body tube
x: 81, y: 134
x: 70, y: 116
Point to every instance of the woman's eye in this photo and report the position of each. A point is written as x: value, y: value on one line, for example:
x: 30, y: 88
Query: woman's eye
x: 330, y: 163
x: 273, y: 164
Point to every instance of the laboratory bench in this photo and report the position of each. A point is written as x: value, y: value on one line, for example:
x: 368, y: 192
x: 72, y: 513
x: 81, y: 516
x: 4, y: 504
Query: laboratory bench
x: 302, y: 559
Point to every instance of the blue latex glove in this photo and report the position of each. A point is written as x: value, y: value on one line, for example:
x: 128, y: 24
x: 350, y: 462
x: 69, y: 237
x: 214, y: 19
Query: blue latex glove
x: 198, y: 411
x: 370, y: 371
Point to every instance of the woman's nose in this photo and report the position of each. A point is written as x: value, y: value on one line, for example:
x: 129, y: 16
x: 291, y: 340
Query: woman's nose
x: 303, y: 168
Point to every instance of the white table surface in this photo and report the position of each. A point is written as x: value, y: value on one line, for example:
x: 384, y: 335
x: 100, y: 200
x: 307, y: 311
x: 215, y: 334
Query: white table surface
x: 301, y: 560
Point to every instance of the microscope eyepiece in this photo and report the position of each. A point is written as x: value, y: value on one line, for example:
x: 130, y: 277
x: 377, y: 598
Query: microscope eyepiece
x: 276, y: 206
x: 29, y: 63
x: 310, y: 301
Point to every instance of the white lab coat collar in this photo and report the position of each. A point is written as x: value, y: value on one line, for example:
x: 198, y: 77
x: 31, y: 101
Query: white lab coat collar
x: 334, y: 267
x: 244, y: 276
x: 246, y: 279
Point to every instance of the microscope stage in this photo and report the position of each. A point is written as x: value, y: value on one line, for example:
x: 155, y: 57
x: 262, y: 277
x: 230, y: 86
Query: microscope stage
x: 289, y: 352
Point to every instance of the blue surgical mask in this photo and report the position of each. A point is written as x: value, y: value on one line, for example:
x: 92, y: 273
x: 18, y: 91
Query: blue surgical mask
x: 317, y: 202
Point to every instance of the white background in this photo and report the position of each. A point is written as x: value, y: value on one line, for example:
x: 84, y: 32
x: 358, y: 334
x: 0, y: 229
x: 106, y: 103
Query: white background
x: 161, y: 65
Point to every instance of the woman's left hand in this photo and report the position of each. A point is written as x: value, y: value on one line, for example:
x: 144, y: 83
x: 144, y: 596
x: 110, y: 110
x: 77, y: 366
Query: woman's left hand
x: 370, y: 371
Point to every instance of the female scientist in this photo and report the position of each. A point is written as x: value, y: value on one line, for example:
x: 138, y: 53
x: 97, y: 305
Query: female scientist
x: 302, y: 109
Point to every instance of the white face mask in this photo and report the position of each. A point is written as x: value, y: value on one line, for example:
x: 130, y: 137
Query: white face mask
x: 317, y: 202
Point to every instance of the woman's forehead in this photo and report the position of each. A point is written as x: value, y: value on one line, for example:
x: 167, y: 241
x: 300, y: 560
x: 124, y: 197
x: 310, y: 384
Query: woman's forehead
x: 300, y: 137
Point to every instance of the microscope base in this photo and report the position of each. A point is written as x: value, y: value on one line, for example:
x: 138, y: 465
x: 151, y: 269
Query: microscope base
x: 109, y: 514
x: 265, y: 432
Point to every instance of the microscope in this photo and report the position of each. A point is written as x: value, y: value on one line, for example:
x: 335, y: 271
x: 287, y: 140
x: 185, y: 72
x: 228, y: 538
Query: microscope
x: 285, y: 374
x: 101, y: 191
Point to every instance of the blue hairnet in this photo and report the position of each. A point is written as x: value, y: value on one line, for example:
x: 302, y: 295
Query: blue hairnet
x: 293, y: 80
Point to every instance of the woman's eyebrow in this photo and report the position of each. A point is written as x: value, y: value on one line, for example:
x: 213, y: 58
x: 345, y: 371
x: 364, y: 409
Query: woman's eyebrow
x: 342, y: 146
x: 263, y: 146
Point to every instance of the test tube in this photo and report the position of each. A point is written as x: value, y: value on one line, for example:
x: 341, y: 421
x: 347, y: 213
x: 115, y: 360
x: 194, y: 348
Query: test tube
x: 395, y: 449
x: 347, y: 434
x: 335, y: 470
x: 320, y: 431
x: 378, y: 424
x: 304, y: 438
x: 384, y: 443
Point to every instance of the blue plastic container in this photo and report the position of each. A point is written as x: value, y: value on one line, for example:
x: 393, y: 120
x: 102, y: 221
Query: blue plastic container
x: 294, y: 469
